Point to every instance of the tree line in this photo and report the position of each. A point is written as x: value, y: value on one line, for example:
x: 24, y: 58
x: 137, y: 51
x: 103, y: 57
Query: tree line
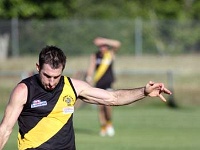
x: 104, y: 9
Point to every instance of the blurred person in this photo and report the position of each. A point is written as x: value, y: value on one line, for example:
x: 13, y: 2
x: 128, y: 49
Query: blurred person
x: 100, y: 73
x: 43, y: 104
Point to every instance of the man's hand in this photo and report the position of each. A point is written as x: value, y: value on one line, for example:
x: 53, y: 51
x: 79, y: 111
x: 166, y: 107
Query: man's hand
x: 156, y: 89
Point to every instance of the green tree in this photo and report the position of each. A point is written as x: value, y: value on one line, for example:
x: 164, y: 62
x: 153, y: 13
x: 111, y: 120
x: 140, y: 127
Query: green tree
x: 27, y: 9
x: 104, y: 9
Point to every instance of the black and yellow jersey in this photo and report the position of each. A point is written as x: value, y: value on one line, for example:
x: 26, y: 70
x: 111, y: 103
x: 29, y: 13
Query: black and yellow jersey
x: 104, y: 75
x: 46, y: 121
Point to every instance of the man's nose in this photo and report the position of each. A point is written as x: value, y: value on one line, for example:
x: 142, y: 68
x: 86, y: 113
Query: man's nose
x: 51, y: 81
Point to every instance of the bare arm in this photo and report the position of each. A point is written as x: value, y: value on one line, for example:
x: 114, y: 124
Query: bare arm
x: 91, y: 69
x: 118, y: 97
x: 113, y: 98
x: 12, y: 111
x: 115, y: 44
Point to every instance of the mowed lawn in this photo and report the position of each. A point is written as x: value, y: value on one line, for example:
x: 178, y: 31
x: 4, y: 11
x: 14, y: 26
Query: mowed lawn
x: 152, y: 126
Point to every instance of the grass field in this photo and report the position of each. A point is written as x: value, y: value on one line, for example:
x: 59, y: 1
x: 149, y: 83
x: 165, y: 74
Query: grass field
x: 139, y: 127
x: 145, y: 125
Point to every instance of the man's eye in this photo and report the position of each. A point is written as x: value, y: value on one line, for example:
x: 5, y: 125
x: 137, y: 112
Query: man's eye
x: 47, y: 76
x: 56, y: 77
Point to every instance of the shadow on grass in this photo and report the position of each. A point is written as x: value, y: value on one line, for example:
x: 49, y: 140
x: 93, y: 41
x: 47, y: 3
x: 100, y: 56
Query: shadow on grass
x: 84, y: 131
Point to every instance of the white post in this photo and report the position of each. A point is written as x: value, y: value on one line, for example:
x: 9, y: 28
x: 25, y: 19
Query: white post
x: 4, y: 42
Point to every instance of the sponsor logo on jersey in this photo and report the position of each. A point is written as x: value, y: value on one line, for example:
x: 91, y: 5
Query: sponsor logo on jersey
x: 38, y: 103
x: 68, y: 110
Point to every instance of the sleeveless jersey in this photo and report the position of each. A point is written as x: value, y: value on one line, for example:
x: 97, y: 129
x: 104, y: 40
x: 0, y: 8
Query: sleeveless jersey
x: 104, y: 73
x: 46, y: 121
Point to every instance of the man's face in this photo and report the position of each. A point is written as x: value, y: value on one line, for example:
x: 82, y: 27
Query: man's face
x: 49, y: 77
x: 103, y: 48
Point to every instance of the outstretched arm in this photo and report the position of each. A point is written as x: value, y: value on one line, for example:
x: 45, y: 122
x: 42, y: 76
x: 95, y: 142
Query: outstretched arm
x: 119, y: 97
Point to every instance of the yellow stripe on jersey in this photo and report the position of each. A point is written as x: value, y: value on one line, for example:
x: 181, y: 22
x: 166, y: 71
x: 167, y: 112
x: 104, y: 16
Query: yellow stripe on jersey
x: 106, y: 61
x: 50, y: 125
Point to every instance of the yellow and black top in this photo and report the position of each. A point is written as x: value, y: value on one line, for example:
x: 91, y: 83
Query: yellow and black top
x: 104, y: 76
x: 46, y: 121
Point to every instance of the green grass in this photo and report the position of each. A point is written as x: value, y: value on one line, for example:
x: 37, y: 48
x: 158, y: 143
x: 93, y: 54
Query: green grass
x: 139, y: 126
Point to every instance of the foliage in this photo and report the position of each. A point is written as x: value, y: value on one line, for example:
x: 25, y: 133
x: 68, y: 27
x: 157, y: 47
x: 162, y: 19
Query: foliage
x: 167, y: 26
x: 75, y: 36
x: 104, y: 9
x: 27, y: 9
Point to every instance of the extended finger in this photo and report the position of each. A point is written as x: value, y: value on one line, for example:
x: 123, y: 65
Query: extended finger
x: 166, y: 91
x: 162, y: 98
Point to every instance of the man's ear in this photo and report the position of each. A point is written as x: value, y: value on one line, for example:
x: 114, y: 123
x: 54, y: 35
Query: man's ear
x: 37, y: 67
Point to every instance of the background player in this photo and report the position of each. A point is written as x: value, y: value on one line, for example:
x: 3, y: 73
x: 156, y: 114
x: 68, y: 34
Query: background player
x: 100, y: 73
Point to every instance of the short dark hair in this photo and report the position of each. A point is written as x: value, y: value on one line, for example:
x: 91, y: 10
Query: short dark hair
x: 53, y: 56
